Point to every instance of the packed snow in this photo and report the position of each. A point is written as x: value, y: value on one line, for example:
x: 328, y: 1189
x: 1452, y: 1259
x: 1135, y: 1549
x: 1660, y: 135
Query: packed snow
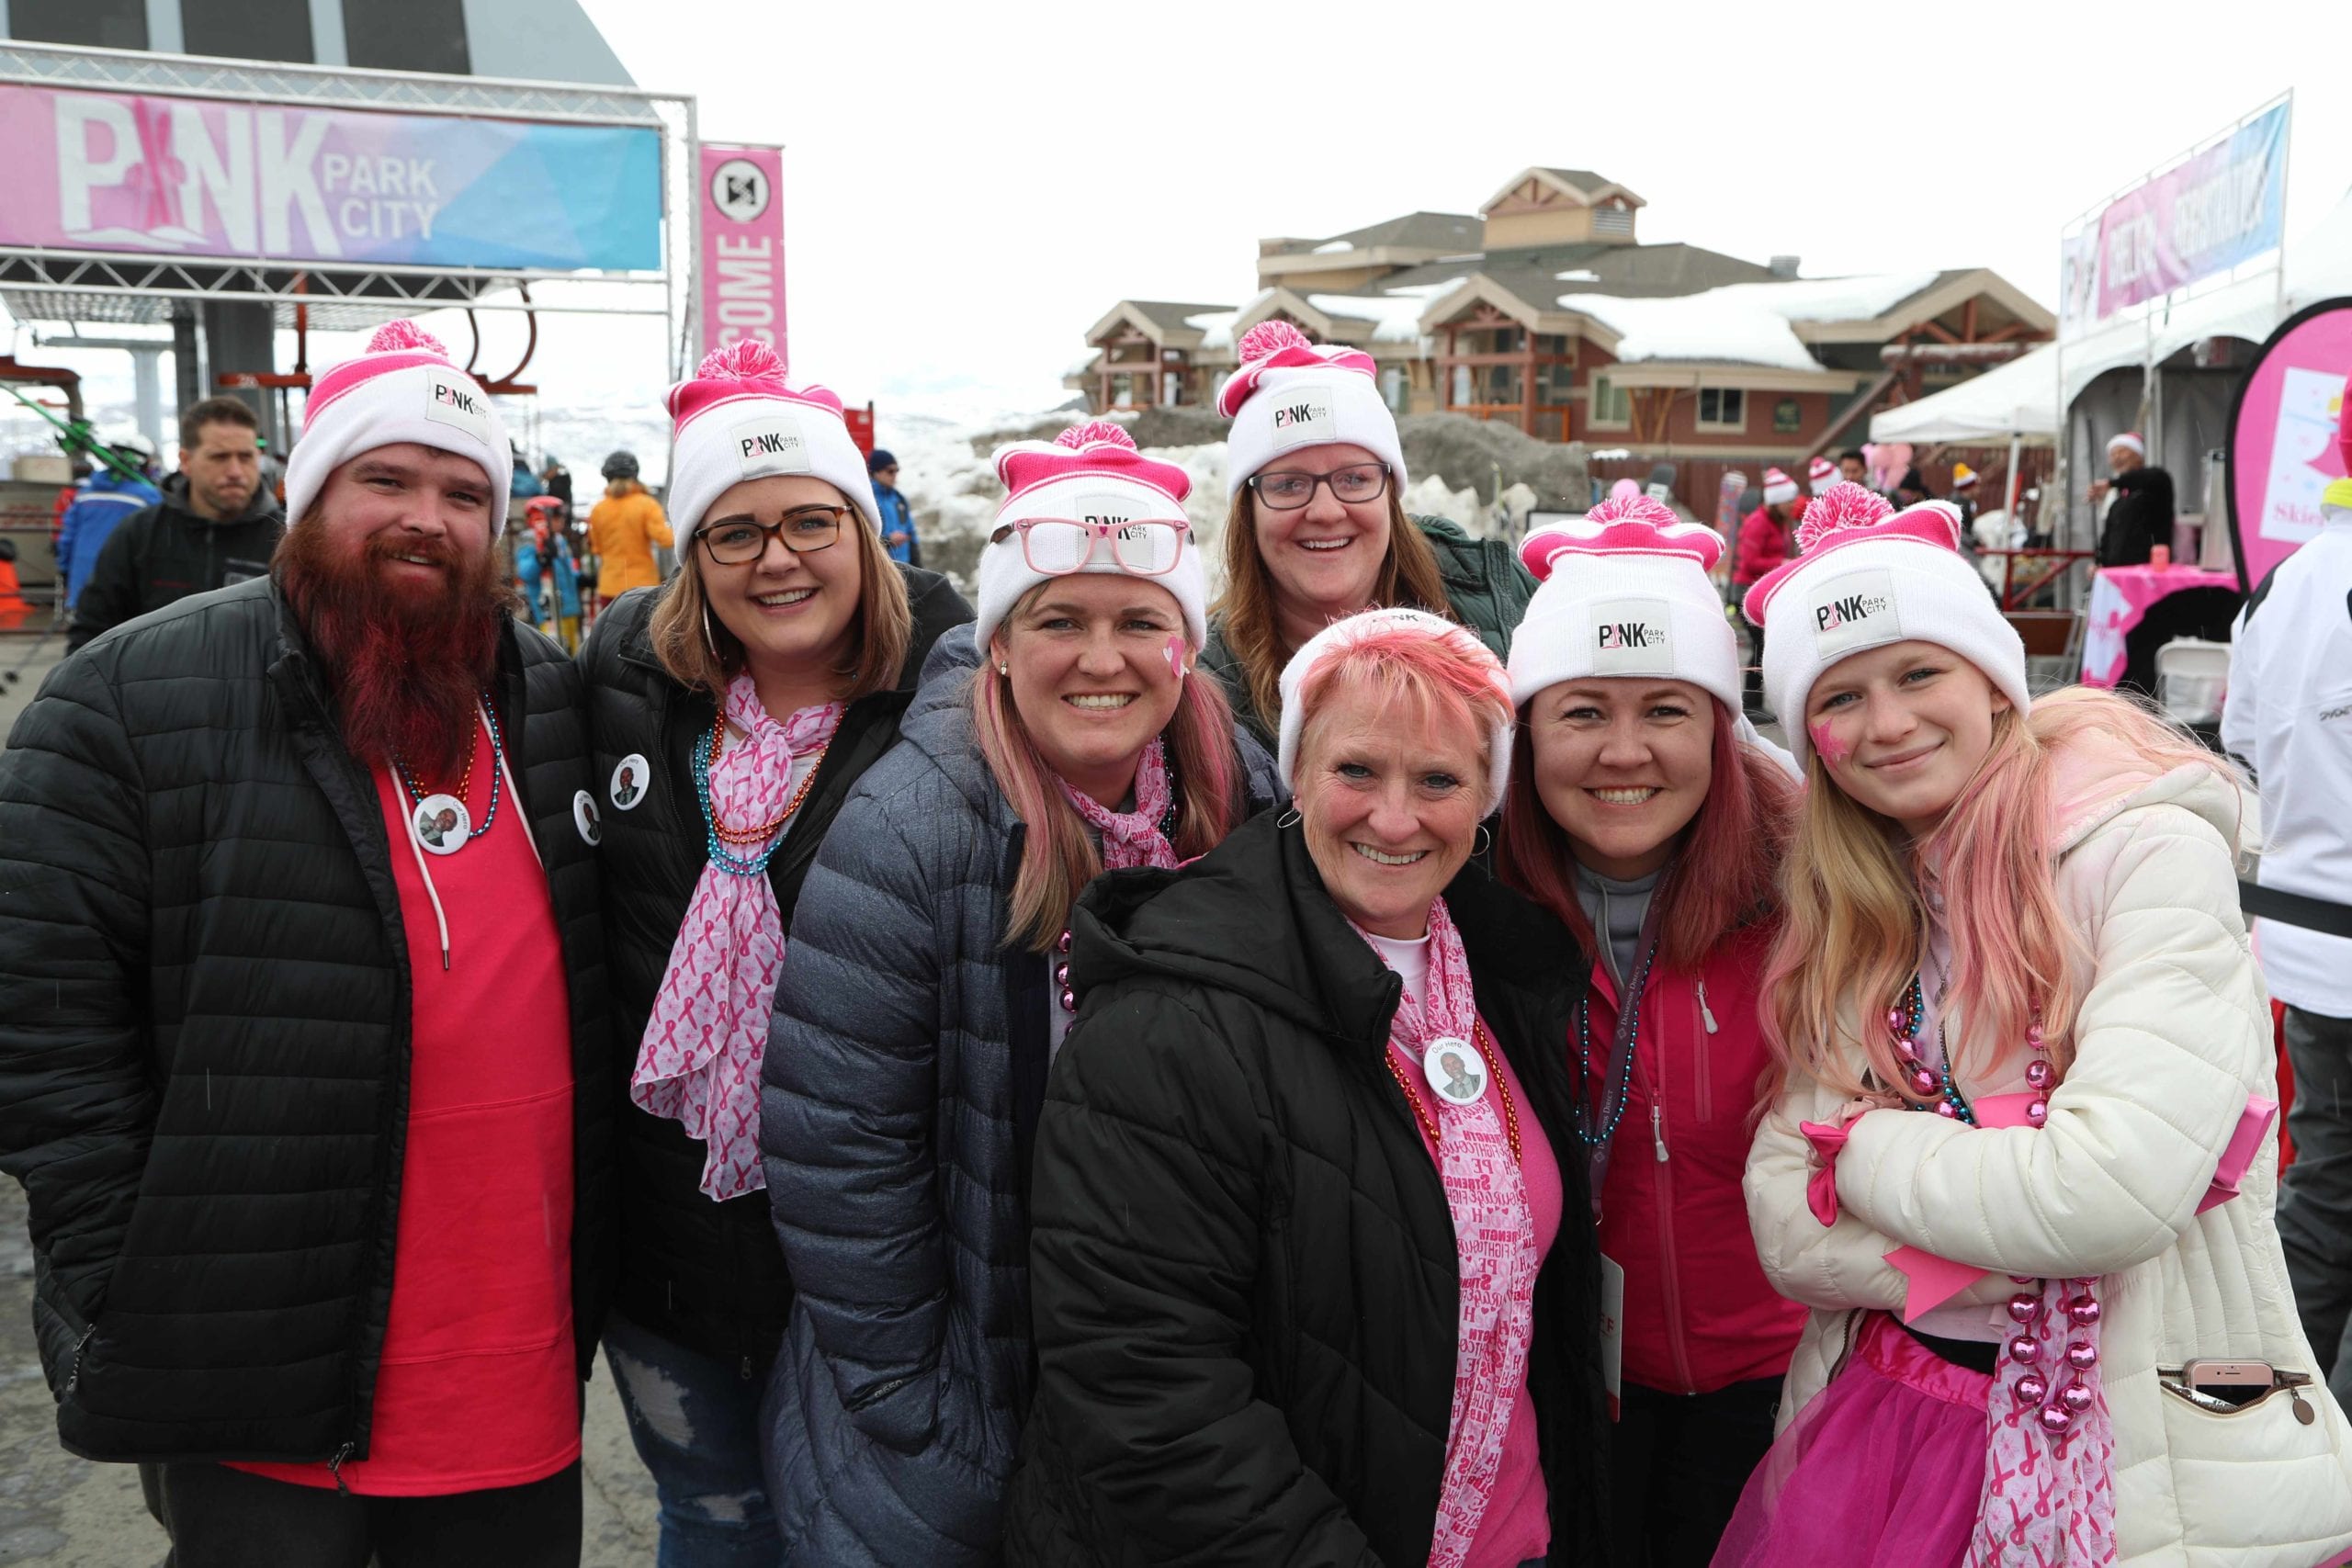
x: 1333, y: 248
x: 1395, y: 317
x: 1694, y: 327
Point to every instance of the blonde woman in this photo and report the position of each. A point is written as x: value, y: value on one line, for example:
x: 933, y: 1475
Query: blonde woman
x: 927, y: 991
x: 1317, y: 533
x: 623, y: 529
x: 2019, y: 1162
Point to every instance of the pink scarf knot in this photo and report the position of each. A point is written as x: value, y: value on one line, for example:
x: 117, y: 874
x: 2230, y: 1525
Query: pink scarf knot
x: 1493, y: 1239
x: 1133, y: 838
x: 699, y: 1062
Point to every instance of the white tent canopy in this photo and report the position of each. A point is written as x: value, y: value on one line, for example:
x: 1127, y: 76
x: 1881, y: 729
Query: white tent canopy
x: 2021, y: 398
x: 2017, y: 401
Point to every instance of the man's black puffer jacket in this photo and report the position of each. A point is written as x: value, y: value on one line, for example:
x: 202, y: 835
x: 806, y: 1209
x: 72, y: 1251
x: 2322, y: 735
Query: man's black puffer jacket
x: 204, y: 1030
x: 705, y: 1274
x: 1242, y: 1267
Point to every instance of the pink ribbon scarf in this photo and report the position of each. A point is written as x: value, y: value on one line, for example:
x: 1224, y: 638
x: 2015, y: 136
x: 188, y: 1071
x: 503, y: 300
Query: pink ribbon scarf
x: 1133, y: 838
x: 699, y: 1062
x: 2045, y: 1502
x: 1493, y: 1239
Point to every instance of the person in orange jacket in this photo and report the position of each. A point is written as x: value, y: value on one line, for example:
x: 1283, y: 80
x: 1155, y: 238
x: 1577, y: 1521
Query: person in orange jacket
x: 624, y: 528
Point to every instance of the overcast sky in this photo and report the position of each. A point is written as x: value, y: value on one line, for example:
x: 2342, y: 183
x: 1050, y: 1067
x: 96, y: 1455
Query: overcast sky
x: 968, y: 188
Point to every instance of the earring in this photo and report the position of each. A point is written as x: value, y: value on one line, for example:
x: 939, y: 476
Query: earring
x: 709, y: 641
x: 1484, y: 842
x: 1005, y: 669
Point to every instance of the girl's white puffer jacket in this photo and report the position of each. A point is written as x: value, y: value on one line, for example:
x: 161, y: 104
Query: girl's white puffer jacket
x: 2173, y: 1035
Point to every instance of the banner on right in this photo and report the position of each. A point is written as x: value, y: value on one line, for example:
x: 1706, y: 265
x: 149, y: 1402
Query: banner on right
x: 2282, y: 449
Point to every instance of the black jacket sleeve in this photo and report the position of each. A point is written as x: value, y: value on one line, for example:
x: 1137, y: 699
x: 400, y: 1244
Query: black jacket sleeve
x: 1147, y: 1200
x: 76, y: 1106
x: 111, y: 596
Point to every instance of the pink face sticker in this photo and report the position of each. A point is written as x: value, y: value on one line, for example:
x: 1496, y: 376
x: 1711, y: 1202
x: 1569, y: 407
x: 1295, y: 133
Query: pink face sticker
x: 1176, y: 656
x: 1834, y: 752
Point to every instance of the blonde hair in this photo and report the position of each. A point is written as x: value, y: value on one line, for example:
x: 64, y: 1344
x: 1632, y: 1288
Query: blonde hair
x: 1854, y: 913
x: 621, y: 488
x: 698, y: 651
x: 1408, y: 576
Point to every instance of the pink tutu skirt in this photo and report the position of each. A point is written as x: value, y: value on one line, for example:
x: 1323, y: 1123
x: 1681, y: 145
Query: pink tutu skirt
x: 1883, y: 1469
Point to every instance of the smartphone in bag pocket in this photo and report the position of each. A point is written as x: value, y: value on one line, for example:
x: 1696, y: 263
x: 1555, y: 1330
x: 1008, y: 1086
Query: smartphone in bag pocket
x: 2226, y: 1385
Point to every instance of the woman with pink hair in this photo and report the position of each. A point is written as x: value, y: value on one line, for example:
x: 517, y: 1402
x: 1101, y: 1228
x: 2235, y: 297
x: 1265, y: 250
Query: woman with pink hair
x: 2018, y: 1159
x: 928, y: 987
x: 1310, y: 1284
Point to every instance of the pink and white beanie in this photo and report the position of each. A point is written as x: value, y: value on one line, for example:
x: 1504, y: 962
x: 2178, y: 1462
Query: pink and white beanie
x: 402, y: 388
x: 738, y: 418
x: 1090, y: 473
x: 1290, y: 395
x: 1779, y: 489
x: 1342, y: 635
x: 1870, y: 576
x: 1820, y: 476
x: 1623, y: 591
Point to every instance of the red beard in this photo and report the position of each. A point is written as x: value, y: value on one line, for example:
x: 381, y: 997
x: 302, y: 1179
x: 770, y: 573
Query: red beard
x: 406, y: 662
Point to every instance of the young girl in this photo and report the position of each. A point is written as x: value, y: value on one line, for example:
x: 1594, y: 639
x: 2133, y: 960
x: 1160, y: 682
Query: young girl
x: 1639, y: 816
x: 2017, y: 1162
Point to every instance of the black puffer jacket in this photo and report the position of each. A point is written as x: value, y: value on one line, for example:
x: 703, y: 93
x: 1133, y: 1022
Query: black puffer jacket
x: 1242, y: 1267
x: 705, y: 1274
x: 204, y: 1030
x: 163, y: 554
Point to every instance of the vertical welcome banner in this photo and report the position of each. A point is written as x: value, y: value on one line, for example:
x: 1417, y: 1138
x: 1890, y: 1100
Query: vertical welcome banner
x: 2282, y: 450
x: 742, y: 266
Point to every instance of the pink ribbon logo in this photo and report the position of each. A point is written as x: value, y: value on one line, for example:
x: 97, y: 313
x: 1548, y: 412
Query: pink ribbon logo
x: 155, y: 179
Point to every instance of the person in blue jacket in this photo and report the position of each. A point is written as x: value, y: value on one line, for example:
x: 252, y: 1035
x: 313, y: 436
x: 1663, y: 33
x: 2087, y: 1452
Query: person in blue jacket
x: 103, y: 500
x: 898, y: 517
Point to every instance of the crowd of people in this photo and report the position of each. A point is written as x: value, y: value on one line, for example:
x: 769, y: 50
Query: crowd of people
x: 1383, y: 1064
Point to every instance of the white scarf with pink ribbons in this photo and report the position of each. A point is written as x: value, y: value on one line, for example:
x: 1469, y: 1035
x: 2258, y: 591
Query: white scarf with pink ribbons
x: 699, y: 1062
x: 1494, y: 1238
x: 1133, y: 838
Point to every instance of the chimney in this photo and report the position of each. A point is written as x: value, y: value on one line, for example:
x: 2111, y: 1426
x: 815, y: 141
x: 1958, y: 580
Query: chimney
x: 1783, y: 266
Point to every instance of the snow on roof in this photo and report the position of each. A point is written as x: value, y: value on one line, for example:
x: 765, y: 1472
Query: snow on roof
x: 1395, y: 317
x: 1694, y: 326
x: 1744, y: 323
x: 1578, y: 274
x: 1332, y: 248
x: 1081, y: 366
x: 1215, y: 327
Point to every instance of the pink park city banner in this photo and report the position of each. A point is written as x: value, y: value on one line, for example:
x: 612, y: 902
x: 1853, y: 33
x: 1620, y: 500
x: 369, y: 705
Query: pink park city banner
x: 196, y: 178
x: 739, y: 279
x: 2225, y: 206
x: 2282, y: 449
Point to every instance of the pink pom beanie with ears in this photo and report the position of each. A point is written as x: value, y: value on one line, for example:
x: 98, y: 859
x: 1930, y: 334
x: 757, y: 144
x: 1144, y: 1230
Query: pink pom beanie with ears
x: 402, y: 388
x: 738, y: 419
x: 1870, y: 576
x: 1090, y: 473
x: 1623, y: 591
x: 1290, y: 395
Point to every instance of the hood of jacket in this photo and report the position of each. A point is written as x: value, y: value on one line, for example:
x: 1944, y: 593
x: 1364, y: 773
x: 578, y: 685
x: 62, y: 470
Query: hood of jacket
x: 1253, y: 917
x: 2094, y: 778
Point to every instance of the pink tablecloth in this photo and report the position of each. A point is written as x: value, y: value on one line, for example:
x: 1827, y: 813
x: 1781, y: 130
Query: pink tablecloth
x: 2121, y: 596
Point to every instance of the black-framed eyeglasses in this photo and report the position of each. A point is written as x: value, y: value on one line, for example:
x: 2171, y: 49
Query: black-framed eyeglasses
x: 736, y: 541
x: 1287, y: 489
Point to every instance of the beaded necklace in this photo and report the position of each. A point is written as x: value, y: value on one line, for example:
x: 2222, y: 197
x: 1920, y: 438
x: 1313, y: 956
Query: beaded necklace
x: 418, y: 795
x: 1613, y: 1107
x: 722, y: 841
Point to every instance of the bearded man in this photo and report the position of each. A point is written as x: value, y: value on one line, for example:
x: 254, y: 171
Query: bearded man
x: 312, y: 1110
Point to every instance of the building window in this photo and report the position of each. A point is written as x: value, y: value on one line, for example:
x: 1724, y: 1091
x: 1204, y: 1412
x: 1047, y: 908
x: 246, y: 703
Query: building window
x: 1723, y: 408
x: 1171, y: 388
x: 1392, y: 388
x: 1787, y: 417
x: 415, y: 35
x: 90, y: 24
x: 1612, y: 221
x: 1460, y: 397
x: 1612, y: 406
x: 248, y: 29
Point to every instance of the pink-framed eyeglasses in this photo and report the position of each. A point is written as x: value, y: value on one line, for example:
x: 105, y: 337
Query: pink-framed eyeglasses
x: 1056, y: 547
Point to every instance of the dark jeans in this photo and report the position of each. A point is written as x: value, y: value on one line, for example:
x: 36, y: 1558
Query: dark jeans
x: 220, y: 1517
x: 1677, y: 1464
x: 696, y: 1420
x: 1751, y: 690
x: 2315, y: 1193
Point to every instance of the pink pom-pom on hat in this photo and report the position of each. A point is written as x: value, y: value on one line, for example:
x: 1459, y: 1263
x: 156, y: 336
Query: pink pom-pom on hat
x: 1844, y: 505
x: 1278, y: 345
x: 1093, y: 431
x: 1850, y: 515
x: 1638, y: 527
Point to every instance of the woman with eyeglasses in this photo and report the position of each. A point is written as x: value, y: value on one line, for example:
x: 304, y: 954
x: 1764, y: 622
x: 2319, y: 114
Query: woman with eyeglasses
x: 927, y: 993
x: 730, y: 711
x: 1317, y: 530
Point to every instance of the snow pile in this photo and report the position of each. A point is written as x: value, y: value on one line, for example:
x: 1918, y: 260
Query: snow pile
x: 1577, y: 274
x: 1742, y: 323
x: 1332, y: 248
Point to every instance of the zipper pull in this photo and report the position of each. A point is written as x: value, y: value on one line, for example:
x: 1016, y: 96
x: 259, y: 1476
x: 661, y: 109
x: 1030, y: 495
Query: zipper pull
x: 1658, y: 1131
x: 74, y: 1376
x: 334, y: 1467
x: 1704, y: 1013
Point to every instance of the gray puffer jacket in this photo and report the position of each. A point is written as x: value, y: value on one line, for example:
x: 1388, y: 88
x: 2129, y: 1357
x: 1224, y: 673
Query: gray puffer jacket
x: 905, y: 1072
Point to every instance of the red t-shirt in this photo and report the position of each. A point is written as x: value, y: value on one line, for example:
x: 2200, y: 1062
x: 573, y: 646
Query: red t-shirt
x: 478, y: 1386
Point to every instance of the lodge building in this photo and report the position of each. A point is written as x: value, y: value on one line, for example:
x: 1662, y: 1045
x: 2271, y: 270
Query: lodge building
x: 1547, y: 310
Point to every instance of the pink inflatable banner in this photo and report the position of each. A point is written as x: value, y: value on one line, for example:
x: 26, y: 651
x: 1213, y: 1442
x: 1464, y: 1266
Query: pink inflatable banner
x: 201, y: 177
x: 2282, y: 449
x: 741, y: 279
